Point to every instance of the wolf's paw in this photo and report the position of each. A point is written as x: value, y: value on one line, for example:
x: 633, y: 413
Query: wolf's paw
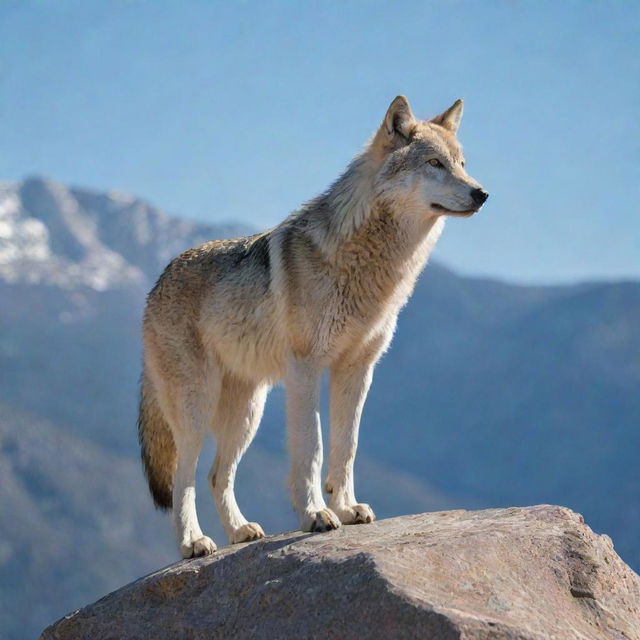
x: 355, y: 513
x: 320, y: 521
x: 247, y: 532
x: 203, y: 546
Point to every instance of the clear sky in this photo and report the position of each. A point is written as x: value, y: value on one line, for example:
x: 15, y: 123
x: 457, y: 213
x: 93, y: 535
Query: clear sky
x: 243, y: 110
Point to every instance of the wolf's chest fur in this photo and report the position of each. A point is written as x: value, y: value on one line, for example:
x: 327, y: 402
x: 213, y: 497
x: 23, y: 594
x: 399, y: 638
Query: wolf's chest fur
x: 343, y: 300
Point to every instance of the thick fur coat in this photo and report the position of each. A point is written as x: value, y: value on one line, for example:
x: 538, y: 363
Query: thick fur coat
x: 322, y: 290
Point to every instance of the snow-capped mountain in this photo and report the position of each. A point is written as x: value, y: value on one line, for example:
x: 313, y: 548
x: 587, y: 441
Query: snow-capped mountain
x: 46, y: 237
x: 51, y: 234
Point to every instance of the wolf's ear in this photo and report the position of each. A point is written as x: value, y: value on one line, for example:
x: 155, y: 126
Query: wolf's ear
x: 450, y: 119
x: 399, y: 119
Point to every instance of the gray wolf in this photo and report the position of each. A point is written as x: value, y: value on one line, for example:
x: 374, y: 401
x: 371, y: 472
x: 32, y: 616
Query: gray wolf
x: 322, y: 290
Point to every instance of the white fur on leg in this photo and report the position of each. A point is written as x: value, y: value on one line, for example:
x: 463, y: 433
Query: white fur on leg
x: 235, y: 524
x: 349, y: 386
x: 239, y: 415
x: 190, y: 538
x: 305, y: 444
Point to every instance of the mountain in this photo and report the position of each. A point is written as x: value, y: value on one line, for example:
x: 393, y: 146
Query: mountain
x: 492, y: 395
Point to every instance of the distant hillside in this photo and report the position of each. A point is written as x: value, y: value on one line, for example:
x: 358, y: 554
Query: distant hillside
x: 518, y: 395
x: 492, y: 394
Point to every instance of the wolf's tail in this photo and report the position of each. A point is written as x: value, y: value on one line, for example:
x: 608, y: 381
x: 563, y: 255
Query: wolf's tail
x: 157, y: 449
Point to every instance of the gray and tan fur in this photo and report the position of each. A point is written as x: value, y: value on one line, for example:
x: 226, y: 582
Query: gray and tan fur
x: 322, y: 290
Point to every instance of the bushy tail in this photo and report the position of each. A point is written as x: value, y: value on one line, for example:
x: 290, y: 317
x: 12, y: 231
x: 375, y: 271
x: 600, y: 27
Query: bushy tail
x: 158, y: 450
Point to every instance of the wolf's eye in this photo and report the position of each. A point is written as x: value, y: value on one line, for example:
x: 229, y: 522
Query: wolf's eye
x: 434, y: 162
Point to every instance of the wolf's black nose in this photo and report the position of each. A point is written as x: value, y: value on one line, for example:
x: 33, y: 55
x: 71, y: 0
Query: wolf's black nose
x: 479, y: 196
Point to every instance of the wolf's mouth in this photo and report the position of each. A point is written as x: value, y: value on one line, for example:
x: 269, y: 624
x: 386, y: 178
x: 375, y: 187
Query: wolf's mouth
x: 452, y: 212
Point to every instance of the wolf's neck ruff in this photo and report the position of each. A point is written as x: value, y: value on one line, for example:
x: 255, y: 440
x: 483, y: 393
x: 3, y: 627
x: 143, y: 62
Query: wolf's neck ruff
x: 351, y: 216
x: 334, y: 216
x: 350, y: 197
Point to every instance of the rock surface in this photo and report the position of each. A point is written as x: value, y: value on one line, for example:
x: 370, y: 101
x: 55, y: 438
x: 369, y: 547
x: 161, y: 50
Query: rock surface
x: 529, y: 573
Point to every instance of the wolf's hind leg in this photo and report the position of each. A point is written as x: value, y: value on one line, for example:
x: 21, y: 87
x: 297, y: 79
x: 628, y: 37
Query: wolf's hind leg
x: 189, y: 407
x: 192, y: 541
x: 235, y: 424
x: 349, y: 385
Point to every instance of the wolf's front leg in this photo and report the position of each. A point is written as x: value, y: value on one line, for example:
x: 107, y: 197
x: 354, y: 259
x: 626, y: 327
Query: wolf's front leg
x: 305, y: 445
x: 349, y: 386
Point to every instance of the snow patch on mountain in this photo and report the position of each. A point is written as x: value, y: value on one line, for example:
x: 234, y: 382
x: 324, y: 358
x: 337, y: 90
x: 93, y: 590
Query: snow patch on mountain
x: 55, y: 235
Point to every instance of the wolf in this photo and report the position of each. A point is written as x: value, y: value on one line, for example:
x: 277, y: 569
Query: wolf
x: 320, y: 291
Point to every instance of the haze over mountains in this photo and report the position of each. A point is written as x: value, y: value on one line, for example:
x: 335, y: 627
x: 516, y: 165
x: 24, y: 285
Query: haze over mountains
x: 491, y: 395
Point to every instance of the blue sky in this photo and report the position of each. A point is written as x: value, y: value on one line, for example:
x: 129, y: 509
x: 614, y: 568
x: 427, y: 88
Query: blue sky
x: 243, y: 110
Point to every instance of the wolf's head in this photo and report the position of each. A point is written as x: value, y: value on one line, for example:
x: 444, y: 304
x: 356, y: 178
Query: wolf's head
x: 422, y: 164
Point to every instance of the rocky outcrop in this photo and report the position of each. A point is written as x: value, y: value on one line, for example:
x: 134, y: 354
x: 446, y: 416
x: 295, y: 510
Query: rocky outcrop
x: 522, y: 573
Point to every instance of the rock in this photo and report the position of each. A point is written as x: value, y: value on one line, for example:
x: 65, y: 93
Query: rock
x: 529, y: 573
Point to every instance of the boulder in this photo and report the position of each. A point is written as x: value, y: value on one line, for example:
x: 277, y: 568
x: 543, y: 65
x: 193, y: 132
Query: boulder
x: 528, y: 573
